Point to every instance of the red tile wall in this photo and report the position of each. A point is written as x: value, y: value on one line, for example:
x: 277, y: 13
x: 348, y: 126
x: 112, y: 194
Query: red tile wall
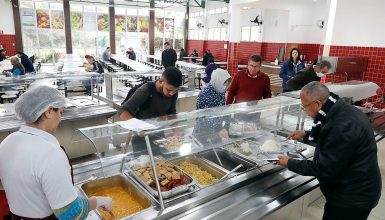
x: 375, y: 71
x: 8, y: 42
x: 270, y: 50
x: 197, y: 45
x: 233, y: 54
x: 310, y: 52
x: 217, y: 49
x: 247, y: 49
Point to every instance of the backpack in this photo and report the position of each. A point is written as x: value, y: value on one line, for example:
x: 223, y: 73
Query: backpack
x: 151, y: 89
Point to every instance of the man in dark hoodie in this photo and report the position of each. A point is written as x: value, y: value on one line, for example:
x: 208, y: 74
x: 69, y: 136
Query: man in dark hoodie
x: 345, y: 157
x: 28, y: 66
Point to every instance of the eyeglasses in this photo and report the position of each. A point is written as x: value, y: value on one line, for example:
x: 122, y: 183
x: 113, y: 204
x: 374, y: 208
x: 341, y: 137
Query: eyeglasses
x: 307, y: 105
x: 252, y: 66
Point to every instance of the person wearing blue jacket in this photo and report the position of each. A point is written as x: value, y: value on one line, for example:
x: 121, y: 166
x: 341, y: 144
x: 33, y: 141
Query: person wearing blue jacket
x: 17, y: 69
x: 290, y: 68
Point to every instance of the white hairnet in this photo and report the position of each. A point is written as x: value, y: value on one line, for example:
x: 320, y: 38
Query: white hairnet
x: 218, y: 78
x: 33, y: 103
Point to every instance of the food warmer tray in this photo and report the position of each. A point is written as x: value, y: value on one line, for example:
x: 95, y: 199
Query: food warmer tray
x: 216, y: 171
x: 166, y: 194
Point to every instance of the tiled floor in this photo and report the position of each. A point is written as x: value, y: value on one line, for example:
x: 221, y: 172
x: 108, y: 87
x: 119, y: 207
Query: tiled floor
x: 315, y: 210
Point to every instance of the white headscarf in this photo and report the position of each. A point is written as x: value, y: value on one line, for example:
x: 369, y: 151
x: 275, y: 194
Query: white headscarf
x: 218, y: 78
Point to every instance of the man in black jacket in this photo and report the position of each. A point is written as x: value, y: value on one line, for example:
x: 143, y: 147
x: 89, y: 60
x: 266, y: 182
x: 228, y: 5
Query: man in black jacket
x: 169, y: 56
x: 309, y: 74
x: 345, y: 157
x: 28, y: 66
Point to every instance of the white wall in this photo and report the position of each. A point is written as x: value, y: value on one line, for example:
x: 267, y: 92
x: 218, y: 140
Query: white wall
x: 301, y: 21
x: 275, y: 25
x: 359, y: 23
x: 6, y: 17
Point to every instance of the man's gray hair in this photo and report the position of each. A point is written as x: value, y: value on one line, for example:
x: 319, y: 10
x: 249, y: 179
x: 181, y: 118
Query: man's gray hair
x: 321, y: 64
x: 316, y: 91
x: 16, y: 59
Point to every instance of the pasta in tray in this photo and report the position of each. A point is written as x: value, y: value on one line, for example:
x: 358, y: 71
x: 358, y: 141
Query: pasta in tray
x: 203, y: 177
x: 123, y: 203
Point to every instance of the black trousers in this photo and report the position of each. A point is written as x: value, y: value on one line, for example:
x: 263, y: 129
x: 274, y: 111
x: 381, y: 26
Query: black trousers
x: 338, y: 213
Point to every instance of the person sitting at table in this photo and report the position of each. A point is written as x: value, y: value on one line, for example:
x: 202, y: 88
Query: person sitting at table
x: 17, y: 69
x: 194, y: 54
x: 209, y: 70
x: 26, y: 62
x: 2, y: 54
x: 206, y: 57
x: 131, y: 54
x: 87, y: 65
x: 182, y: 54
x: 94, y: 66
x: 107, y: 54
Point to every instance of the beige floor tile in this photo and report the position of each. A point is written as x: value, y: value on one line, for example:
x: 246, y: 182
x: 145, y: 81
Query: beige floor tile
x: 313, y: 213
x: 379, y: 210
x: 372, y: 217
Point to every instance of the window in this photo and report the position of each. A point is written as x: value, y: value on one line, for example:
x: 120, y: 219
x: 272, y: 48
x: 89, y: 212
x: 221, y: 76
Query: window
x: 223, y: 33
x: 211, y: 34
x: 245, y: 34
x: 217, y: 34
x: 251, y: 33
x: 43, y: 30
x: 255, y: 33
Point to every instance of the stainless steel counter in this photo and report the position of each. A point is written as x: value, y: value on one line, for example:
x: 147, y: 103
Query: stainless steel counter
x: 251, y: 195
x: 11, y: 123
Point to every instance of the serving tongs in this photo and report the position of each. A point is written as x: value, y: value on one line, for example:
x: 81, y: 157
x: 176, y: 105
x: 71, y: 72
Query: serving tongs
x: 231, y: 171
x: 109, y: 211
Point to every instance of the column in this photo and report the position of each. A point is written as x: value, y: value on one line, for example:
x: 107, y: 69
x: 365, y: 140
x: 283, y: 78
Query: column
x: 185, y: 32
x: 111, y: 12
x: 235, y: 13
x: 16, y: 18
x: 151, y: 29
x: 67, y: 26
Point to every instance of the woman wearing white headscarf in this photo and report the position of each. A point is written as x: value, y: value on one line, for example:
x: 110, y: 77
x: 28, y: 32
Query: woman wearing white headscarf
x: 34, y: 170
x: 213, y: 96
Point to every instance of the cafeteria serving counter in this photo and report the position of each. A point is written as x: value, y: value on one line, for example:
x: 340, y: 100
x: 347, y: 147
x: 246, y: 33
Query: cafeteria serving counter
x: 261, y: 190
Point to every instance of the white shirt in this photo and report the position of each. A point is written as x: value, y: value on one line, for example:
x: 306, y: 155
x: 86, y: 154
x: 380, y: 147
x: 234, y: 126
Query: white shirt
x: 35, y: 173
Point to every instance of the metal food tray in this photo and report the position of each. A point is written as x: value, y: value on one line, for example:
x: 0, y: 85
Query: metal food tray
x: 236, y: 150
x: 227, y: 159
x: 217, y: 171
x: 262, y: 157
x: 91, y: 187
x: 186, y: 142
x: 242, y: 128
x: 284, y: 144
x: 166, y: 194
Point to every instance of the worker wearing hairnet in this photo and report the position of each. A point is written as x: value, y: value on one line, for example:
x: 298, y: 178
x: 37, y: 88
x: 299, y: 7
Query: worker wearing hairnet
x: 34, y: 170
